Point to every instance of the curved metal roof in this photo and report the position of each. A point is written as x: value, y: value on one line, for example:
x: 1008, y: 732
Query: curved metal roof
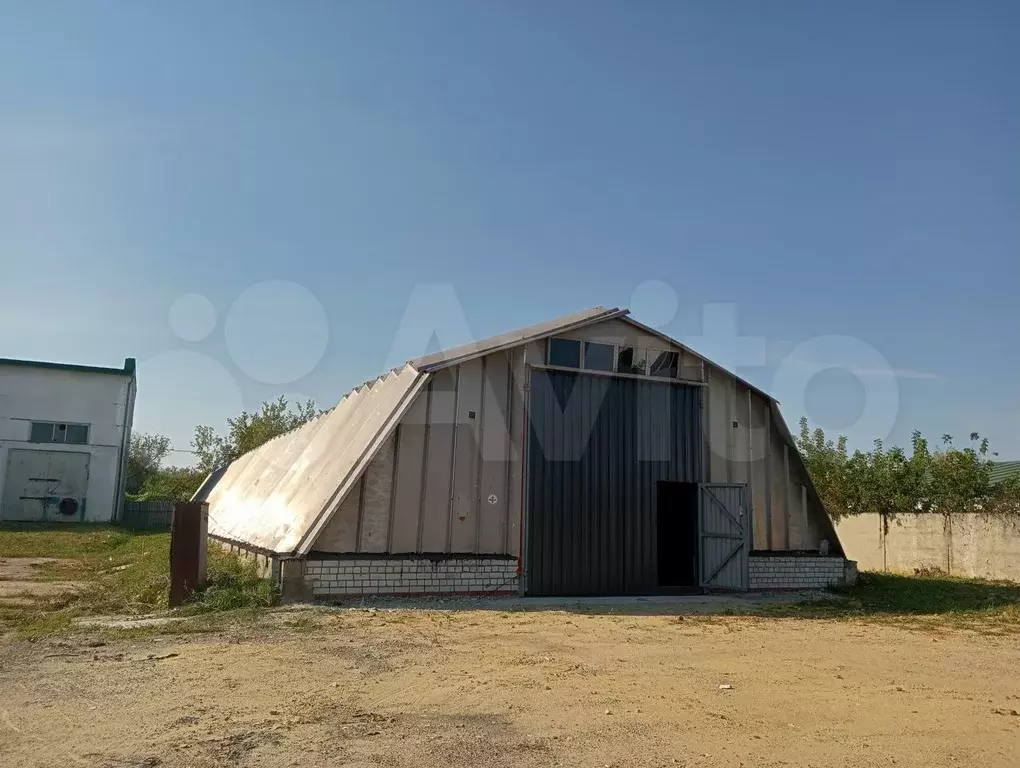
x: 278, y: 497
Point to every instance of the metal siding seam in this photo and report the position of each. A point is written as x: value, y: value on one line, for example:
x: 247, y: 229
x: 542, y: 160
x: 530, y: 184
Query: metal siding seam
x: 646, y: 470
x: 479, y: 450
x: 730, y: 430
x: 697, y: 397
x: 569, y: 541
x: 618, y: 479
x: 523, y: 561
x: 625, y: 488
x: 652, y: 474
x: 637, y: 516
x: 361, y: 510
x: 605, y: 488
x: 453, y: 462
x: 424, y: 463
x: 745, y: 560
x: 570, y: 521
x: 768, y: 476
x: 591, y: 490
x: 556, y: 551
x: 508, y: 420
x: 787, y: 495
x: 541, y: 480
x: 529, y: 531
x: 545, y: 543
x: 705, y: 420
x: 563, y: 554
x: 393, y: 489
x: 617, y: 458
x: 750, y: 465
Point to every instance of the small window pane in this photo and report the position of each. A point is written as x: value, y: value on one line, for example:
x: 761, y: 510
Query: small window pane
x: 665, y: 364
x: 59, y: 433
x: 565, y: 353
x: 598, y: 357
x: 77, y: 434
x: 42, y: 432
x: 631, y: 360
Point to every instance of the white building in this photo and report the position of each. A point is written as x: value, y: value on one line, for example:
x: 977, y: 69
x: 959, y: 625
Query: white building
x: 64, y: 435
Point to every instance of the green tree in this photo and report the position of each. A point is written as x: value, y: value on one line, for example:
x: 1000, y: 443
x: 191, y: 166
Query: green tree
x: 146, y: 454
x: 172, y: 484
x: 890, y: 481
x: 248, y: 431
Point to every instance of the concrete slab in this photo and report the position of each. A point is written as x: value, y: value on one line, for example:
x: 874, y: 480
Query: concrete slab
x: 670, y: 604
x: 20, y: 584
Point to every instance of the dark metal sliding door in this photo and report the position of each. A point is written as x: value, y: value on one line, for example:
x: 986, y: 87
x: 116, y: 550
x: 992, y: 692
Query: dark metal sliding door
x: 596, y: 448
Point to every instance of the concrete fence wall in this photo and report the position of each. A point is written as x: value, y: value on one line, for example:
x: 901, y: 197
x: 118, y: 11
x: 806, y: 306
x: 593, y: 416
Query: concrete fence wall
x: 975, y: 544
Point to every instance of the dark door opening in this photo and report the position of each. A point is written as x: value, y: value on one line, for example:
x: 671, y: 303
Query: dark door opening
x: 677, y: 534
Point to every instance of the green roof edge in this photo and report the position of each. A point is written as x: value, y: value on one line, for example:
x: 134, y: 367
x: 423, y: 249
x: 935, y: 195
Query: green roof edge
x: 127, y: 370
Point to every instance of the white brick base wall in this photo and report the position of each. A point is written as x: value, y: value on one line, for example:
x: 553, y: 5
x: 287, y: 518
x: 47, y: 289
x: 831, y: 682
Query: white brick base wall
x: 796, y: 571
x: 337, y: 577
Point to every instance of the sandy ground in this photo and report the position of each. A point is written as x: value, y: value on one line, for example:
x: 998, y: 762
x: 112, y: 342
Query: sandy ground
x: 497, y: 688
x: 19, y: 580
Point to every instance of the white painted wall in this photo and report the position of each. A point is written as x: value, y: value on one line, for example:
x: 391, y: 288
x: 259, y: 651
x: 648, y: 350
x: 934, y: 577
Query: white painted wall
x: 104, y: 401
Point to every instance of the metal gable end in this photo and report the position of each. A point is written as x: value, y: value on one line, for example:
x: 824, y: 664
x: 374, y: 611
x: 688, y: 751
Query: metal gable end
x: 457, y: 355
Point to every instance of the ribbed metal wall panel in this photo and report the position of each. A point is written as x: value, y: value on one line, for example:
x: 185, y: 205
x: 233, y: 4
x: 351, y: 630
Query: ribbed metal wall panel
x: 597, y: 447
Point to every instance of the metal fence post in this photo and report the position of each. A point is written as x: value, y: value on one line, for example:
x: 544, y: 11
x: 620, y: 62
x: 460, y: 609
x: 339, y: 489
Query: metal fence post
x: 188, y: 549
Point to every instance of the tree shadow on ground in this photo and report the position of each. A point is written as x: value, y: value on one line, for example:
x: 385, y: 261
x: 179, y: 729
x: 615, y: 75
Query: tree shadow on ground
x: 875, y: 596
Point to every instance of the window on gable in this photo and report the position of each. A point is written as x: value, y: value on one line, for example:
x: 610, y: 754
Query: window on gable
x: 631, y: 360
x: 565, y: 353
x: 664, y: 364
x: 599, y: 357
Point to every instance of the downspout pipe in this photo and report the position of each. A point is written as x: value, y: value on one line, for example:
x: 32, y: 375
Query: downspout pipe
x: 125, y: 438
x: 525, y: 389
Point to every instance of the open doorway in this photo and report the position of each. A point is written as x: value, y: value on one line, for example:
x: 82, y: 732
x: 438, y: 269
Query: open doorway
x: 677, y: 537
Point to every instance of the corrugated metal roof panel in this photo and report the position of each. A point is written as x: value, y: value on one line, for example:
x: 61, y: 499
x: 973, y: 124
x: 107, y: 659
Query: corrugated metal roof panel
x: 278, y: 496
x: 456, y: 355
x: 1002, y: 470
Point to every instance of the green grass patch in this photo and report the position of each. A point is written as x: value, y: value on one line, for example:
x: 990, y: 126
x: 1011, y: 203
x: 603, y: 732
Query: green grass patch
x: 68, y: 540
x: 119, y: 572
x: 926, y: 602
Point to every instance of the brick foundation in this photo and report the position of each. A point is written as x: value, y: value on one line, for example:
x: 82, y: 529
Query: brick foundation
x: 360, y: 575
x: 793, y: 571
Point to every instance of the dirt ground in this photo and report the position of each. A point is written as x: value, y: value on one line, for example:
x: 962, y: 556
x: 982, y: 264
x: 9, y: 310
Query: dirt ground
x: 496, y: 688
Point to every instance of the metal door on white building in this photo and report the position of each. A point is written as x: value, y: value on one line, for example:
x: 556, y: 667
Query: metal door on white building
x: 45, y: 485
x: 725, y: 536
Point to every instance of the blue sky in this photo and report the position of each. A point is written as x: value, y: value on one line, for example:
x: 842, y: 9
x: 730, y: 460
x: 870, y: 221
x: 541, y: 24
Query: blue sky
x: 821, y: 169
